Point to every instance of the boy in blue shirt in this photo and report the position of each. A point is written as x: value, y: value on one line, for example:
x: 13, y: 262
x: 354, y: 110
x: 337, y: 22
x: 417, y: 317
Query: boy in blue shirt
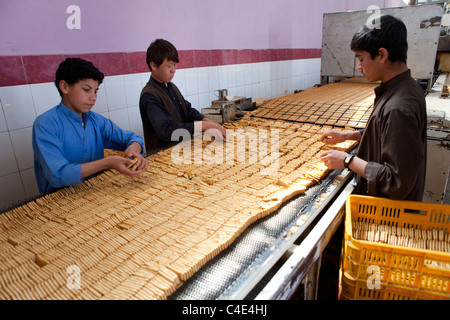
x: 69, y: 139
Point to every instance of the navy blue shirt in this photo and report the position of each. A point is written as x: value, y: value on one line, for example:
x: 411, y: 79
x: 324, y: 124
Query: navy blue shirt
x: 153, y: 113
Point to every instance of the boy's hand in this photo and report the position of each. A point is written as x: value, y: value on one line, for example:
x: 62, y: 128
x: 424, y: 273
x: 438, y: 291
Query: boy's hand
x: 134, y: 152
x: 215, y: 129
x: 124, y: 165
x: 333, y: 136
x: 333, y: 159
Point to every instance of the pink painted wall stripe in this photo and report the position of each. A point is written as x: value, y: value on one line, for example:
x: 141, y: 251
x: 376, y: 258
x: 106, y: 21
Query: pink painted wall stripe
x: 30, y: 69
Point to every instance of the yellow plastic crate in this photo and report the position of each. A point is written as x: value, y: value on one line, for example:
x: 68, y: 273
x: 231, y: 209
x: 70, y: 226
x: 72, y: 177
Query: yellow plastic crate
x: 379, y: 271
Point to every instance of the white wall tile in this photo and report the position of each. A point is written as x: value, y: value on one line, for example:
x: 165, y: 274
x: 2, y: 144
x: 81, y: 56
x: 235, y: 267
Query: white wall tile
x: 248, y: 91
x: 29, y: 183
x: 213, y: 78
x: 3, y: 126
x: 297, y: 83
x: 133, y: 88
x: 255, y: 90
x: 212, y: 96
x: 276, y: 88
x: 134, y: 117
x: 145, y: 76
x: 274, y: 71
x: 232, y: 76
x: 262, y: 90
x: 11, y: 190
x: 101, y: 105
x: 248, y: 79
x: 223, y: 77
x: 318, y: 63
x: 193, y: 99
x: 296, y: 68
x: 287, y: 85
x: 115, y: 92
x: 191, y: 81
x: 120, y: 117
x: 233, y: 91
x: 203, y: 80
x: 240, y: 74
x: 45, y: 96
x: 239, y: 91
x: 8, y: 162
x: 281, y: 70
x: 18, y: 106
x: 204, y: 100
x: 309, y: 80
x: 23, y: 148
x: 266, y: 89
x: 316, y: 78
x: 265, y: 72
x: 254, y: 74
x: 287, y: 69
x: 180, y: 81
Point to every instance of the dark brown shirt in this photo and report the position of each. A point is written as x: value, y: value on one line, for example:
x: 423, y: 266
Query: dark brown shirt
x: 394, y: 142
x: 164, y: 110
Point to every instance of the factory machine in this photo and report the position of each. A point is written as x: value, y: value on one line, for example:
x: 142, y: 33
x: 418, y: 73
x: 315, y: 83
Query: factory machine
x: 227, y: 108
x: 265, y: 264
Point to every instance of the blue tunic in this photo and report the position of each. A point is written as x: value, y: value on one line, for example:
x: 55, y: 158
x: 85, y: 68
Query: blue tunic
x: 62, y: 143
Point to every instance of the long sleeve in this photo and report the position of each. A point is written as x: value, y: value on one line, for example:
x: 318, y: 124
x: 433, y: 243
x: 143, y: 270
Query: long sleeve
x: 193, y: 114
x: 161, y: 120
x: 53, y: 168
x: 116, y: 138
x: 397, y: 172
x: 394, y: 142
x: 61, y: 144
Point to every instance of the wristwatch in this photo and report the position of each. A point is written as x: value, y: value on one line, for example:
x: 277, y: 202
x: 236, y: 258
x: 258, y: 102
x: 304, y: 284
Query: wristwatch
x: 348, y: 159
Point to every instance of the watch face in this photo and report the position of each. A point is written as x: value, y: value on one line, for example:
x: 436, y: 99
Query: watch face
x: 347, y: 160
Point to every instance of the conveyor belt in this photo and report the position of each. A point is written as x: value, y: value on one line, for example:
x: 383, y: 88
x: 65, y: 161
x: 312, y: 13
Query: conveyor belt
x: 239, y: 269
x: 345, y: 104
x: 117, y: 248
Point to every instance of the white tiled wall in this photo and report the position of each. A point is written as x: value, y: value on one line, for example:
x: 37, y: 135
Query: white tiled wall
x: 118, y: 99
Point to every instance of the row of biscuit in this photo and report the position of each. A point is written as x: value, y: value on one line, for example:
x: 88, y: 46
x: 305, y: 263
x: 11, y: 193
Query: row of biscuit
x: 344, y: 104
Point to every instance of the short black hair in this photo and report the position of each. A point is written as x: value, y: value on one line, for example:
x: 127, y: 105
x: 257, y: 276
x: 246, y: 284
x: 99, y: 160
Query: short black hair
x: 386, y: 32
x: 72, y: 70
x: 159, y: 50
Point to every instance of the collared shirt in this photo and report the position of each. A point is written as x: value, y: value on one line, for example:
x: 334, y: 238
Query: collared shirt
x: 159, y: 120
x: 62, y: 143
x: 394, y: 142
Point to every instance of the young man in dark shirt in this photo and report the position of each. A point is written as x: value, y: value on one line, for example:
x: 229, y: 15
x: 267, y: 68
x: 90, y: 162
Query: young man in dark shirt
x: 391, y: 160
x: 162, y: 106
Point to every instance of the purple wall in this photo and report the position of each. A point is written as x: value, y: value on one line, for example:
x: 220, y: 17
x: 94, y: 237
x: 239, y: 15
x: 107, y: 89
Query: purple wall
x: 39, y: 27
